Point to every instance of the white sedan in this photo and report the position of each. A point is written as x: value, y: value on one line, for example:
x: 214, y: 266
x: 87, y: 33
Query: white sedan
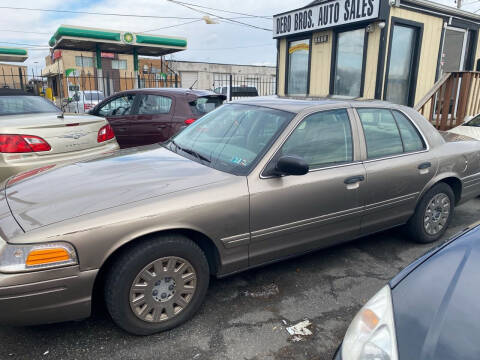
x: 470, y: 128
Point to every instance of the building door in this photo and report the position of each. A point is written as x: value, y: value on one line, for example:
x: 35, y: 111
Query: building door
x: 454, y: 50
x: 401, y: 79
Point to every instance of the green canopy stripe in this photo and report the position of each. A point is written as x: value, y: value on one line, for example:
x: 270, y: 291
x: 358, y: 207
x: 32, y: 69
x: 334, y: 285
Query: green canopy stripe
x: 13, y: 51
x: 157, y: 40
x: 86, y: 33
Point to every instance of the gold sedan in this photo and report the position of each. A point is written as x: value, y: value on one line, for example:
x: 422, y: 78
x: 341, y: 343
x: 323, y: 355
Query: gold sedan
x: 35, y: 135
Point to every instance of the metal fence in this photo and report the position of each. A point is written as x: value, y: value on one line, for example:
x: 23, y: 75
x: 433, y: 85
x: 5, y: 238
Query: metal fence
x: 63, y: 88
x: 242, y: 86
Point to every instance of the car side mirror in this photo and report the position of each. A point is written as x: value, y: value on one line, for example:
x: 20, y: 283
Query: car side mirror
x: 290, y: 165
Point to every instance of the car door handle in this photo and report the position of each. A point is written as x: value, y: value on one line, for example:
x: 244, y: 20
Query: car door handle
x: 424, y: 165
x: 121, y: 129
x: 354, y: 179
x: 161, y: 126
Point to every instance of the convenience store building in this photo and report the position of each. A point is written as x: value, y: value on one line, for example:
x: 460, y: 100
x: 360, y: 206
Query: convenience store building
x: 393, y: 50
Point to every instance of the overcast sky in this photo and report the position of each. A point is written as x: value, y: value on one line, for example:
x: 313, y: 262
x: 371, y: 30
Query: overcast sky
x: 224, y: 42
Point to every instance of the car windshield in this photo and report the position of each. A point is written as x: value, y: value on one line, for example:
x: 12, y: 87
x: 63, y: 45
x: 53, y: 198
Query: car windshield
x: 204, y: 105
x: 94, y: 96
x: 12, y: 105
x: 231, y: 138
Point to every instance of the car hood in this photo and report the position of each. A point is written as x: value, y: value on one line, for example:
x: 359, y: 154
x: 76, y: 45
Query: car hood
x: 436, y: 305
x: 128, y: 176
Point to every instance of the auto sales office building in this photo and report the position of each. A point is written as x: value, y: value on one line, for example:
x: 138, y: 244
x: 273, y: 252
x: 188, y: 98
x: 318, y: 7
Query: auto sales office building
x: 374, y: 49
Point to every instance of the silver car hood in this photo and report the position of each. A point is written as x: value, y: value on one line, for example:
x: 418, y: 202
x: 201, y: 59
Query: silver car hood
x: 129, y: 176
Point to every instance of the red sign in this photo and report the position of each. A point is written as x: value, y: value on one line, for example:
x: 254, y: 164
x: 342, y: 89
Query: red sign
x: 108, y: 55
x: 57, y: 54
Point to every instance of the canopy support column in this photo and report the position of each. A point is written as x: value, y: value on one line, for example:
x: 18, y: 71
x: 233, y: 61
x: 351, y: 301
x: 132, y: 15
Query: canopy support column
x: 98, y: 61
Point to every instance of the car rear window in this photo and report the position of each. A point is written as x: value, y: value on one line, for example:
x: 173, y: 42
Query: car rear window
x: 205, y: 104
x: 94, y: 96
x: 12, y: 105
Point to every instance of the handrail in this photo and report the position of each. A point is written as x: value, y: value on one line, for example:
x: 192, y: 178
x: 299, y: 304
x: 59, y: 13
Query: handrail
x: 454, y: 96
x: 432, y: 91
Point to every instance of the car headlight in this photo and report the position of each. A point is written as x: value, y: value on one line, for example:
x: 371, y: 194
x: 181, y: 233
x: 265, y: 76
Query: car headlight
x: 371, y: 335
x: 21, y: 258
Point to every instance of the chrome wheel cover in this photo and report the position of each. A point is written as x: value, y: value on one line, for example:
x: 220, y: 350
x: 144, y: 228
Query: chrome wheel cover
x: 163, y: 289
x: 437, y: 213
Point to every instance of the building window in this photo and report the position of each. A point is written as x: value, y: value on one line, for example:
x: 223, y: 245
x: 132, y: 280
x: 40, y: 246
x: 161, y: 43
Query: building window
x: 401, y: 77
x: 119, y: 64
x: 84, y: 61
x: 349, y: 63
x: 298, y: 67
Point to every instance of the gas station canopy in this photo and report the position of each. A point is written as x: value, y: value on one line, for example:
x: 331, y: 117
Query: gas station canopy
x: 90, y: 39
x: 13, y: 54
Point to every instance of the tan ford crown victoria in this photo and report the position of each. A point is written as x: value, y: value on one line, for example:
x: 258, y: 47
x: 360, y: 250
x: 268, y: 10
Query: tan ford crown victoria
x: 250, y: 183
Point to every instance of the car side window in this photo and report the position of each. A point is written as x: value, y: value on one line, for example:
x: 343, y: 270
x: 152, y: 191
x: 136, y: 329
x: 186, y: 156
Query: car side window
x: 412, y: 141
x: 117, y: 107
x: 322, y: 139
x: 474, y: 122
x: 388, y: 133
x: 154, y: 104
x: 381, y: 133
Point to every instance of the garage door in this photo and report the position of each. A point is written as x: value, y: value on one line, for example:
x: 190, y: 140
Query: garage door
x: 189, y: 78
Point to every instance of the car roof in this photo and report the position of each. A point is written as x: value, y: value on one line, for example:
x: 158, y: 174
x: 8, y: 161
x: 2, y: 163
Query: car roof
x: 297, y: 105
x: 173, y: 91
x: 14, y: 92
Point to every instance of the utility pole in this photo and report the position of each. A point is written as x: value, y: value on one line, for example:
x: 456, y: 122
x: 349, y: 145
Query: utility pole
x: 459, y: 4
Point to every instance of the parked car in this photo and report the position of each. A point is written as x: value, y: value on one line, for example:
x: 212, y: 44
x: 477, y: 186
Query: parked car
x: 470, y: 128
x: 237, y: 91
x: 250, y: 183
x: 428, y: 311
x: 35, y: 134
x: 84, y: 101
x: 148, y: 116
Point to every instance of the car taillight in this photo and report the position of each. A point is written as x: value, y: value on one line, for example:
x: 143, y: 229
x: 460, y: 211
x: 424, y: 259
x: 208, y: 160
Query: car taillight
x: 105, y: 133
x: 87, y: 106
x: 22, y: 144
x: 189, y: 121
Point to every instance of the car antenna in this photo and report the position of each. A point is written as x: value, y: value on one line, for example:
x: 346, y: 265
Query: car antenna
x: 191, y: 87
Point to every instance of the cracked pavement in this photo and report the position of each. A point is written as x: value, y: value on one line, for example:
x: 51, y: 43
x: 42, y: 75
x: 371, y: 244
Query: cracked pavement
x: 245, y: 316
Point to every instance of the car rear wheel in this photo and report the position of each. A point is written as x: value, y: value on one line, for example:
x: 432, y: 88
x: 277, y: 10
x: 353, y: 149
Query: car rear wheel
x: 157, y: 285
x: 433, y: 214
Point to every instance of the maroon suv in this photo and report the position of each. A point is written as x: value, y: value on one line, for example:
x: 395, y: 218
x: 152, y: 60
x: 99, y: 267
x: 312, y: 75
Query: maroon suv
x: 148, y: 116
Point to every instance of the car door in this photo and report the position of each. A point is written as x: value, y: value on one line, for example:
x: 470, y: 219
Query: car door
x: 152, y: 121
x: 295, y: 214
x: 118, y: 112
x: 398, y: 165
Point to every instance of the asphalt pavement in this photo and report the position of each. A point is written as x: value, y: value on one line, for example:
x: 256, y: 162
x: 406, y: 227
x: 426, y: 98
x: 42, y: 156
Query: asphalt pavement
x: 245, y: 316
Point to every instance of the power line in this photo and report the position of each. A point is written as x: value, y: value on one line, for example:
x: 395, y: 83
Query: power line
x: 218, y: 16
x: 15, y: 43
x: 97, y: 13
x: 171, y: 26
x: 110, y: 14
x: 24, y: 32
x: 225, y: 11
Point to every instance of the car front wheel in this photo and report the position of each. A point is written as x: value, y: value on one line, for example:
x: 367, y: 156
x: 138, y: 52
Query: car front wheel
x: 433, y: 214
x: 157, y: 285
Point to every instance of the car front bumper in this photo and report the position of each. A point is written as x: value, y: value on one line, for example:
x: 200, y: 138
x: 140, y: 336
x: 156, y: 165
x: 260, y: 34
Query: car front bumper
x: 46, y: 296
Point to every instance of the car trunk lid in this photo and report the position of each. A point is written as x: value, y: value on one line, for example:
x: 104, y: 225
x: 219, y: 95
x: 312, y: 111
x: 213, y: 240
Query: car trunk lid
x: 63, y: 133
